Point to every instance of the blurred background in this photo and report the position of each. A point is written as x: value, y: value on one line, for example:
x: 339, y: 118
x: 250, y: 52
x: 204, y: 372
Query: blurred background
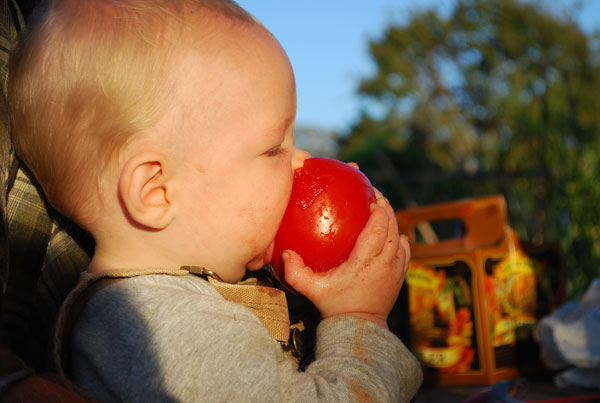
x: 452, y: 99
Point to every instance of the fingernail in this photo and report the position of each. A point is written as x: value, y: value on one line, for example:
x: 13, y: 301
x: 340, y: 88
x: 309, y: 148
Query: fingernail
x: 285, y: 255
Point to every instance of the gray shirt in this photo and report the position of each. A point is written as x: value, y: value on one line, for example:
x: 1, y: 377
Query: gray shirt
x: 167, y: 338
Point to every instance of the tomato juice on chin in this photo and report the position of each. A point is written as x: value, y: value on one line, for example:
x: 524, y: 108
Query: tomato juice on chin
x: 328, y: 208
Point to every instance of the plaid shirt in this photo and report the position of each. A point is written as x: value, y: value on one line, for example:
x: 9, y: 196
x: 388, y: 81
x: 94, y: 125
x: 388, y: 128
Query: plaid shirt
x: 46, y: 252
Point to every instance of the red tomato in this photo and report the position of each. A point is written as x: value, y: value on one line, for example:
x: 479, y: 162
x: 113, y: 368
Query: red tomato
x: 328, y: 207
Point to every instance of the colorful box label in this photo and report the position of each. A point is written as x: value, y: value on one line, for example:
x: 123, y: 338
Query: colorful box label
x: 441, y: 316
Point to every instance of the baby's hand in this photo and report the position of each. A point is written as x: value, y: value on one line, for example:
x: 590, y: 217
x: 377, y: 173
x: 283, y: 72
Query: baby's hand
x: 368, y: 282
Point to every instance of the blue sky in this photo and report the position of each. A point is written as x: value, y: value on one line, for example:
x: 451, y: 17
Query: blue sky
x: 326, y: 41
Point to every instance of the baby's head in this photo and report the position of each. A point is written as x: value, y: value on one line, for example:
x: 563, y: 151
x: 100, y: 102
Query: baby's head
x: 91, y: 76
x: 163, y: 125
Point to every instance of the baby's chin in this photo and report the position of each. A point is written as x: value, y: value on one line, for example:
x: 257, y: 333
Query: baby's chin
x: 261, y: 259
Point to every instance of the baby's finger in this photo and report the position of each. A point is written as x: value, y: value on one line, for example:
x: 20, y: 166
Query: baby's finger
x: 297, y: 274
x: 392, y: 245
x: 406, y: 247
x: 402, y: 258
x: 372, y: 238
x: 384, y: 202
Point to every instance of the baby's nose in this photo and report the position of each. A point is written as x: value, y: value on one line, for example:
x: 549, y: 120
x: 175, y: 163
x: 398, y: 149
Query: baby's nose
x: 299, y: 157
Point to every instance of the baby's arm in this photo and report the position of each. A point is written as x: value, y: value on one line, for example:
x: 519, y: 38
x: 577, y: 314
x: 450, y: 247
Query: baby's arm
x: 157, y: 338
x: 358, y: 357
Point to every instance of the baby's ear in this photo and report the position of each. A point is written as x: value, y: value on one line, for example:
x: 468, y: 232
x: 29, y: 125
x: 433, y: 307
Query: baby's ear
x: 144, y: 189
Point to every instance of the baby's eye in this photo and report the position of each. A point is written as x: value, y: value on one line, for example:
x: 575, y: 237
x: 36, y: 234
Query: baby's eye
x: 275, y: 151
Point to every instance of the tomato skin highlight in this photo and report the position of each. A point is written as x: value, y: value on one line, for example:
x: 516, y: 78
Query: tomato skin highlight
x: 328, y: 208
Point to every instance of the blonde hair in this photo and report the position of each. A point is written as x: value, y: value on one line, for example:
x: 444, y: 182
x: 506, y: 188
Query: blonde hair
x: 86, y: 78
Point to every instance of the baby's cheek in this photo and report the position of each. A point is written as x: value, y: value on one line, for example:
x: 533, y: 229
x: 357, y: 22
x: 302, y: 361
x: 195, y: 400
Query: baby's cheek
x: 247, y: 214
x: 251, y: 223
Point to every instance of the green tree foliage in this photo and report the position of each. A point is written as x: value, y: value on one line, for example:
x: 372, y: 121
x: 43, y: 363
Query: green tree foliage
x: 501, y: 96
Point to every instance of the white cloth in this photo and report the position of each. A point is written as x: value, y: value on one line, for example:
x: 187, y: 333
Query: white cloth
x: 571, y: 337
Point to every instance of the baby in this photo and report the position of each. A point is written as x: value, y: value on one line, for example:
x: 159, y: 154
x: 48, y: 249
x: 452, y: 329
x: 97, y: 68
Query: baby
x: 165, y: 129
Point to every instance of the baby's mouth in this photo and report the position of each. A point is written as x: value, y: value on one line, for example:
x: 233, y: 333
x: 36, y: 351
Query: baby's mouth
x: 269, y: 252
x: 262, y: 259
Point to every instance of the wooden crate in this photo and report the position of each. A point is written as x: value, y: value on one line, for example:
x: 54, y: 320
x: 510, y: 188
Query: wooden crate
x: 470, y: 292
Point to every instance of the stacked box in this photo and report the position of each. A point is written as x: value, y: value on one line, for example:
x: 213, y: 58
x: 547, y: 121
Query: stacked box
x: 470, y: 292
